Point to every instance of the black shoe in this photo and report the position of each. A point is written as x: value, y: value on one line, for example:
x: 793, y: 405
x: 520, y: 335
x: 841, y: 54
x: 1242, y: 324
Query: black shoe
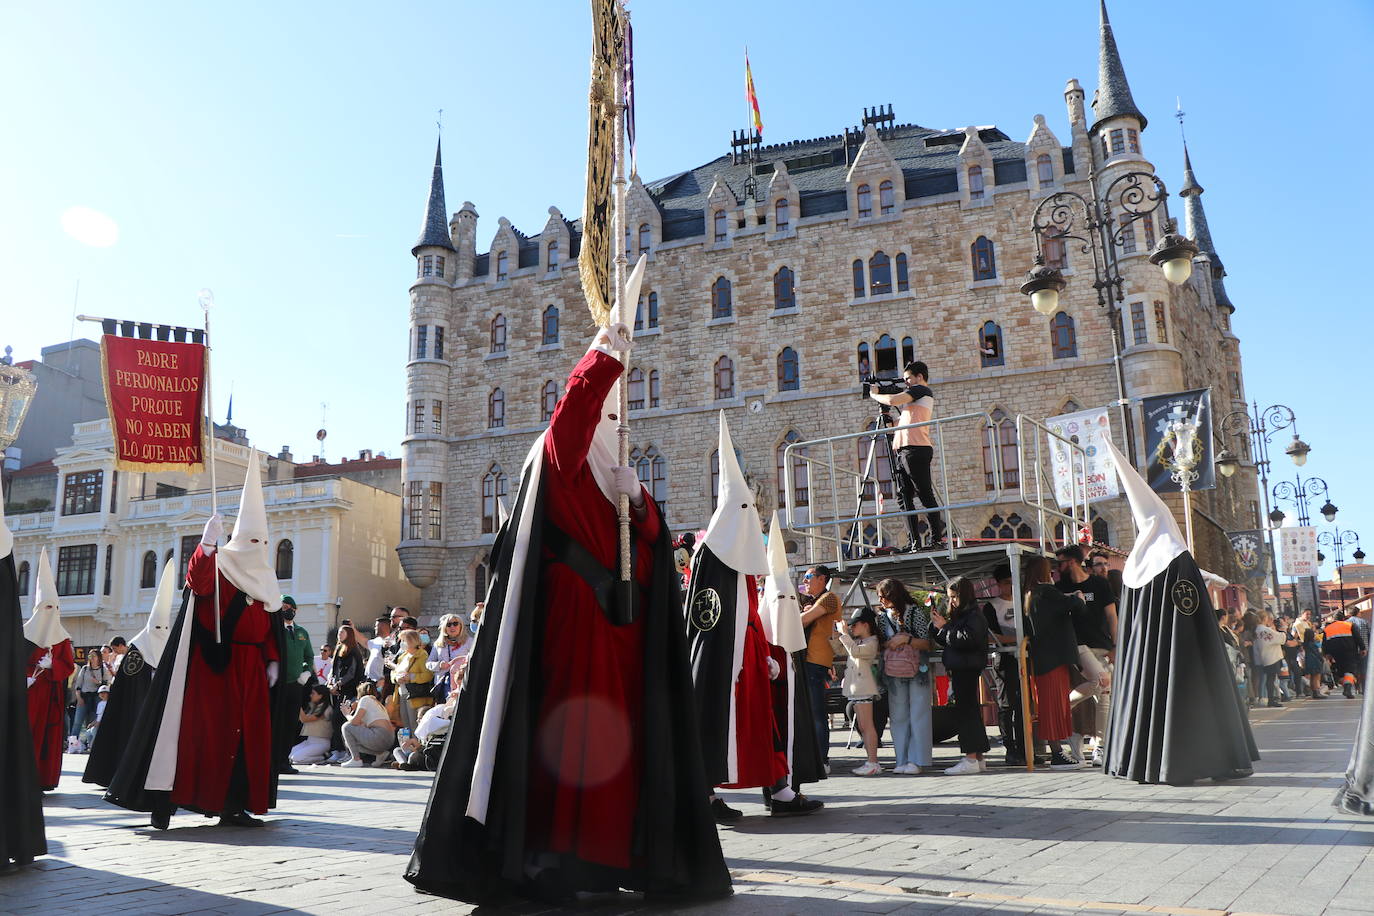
x: 239, y: 819
x: 1275, y: 704
x: 288, y: 771
x: 768, y: 798
x: 161, y: 820
x: 723, y: 813
x: 1015, y: 760
x: 799, y: 805
x: 1349, y: 693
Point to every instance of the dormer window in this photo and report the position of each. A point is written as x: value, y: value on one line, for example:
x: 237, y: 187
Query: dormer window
x: 863, y: 199
x: 975, y: 182
x: 551, y: 256
x: 886, y: 198
x: 721, y: 226
x: 502, y: 267
x: 1044, y: 169
x: 782, y: 215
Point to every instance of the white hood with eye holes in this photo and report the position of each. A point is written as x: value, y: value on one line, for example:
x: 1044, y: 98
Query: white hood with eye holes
x: 245, y: 560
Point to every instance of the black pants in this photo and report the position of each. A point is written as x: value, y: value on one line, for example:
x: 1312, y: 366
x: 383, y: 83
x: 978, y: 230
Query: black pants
x: 968, y: 712
x: 912, y: 475
x: 1006, y: 687
x: 287, y: 730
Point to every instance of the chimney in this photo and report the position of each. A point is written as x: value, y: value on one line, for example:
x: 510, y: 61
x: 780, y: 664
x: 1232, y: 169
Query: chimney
x: 365, y: 454
x: 284, y: 454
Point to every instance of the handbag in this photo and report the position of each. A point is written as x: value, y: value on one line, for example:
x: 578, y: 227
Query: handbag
x: 403, y: 691
x: 900, y: 661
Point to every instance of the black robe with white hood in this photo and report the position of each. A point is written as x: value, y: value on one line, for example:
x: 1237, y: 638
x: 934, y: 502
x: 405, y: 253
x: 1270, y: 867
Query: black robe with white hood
x: 21, y: 817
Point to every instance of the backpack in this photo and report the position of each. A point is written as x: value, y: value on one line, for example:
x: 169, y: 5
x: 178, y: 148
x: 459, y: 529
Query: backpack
x: 901, y: 661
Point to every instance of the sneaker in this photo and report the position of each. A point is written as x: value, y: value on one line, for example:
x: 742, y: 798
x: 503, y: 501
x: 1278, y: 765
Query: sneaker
x: 868, y: 769
x: 352, y: 763
x: 982, y: 765
x: 1060, y: 762
x: 965, y: 767
x: 1096, y: 757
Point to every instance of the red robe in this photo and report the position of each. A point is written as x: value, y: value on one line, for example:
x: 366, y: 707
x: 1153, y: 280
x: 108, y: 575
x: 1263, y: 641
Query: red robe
x: 48, y: 710
x: 226, y: 709
x: 587, y: 754
x: 761, y: 762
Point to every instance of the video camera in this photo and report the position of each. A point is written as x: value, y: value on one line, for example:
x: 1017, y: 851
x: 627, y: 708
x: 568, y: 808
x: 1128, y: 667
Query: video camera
x: 884, y: 385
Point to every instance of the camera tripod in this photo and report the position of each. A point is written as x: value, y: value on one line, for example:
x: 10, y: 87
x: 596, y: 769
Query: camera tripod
x: 880, y: 438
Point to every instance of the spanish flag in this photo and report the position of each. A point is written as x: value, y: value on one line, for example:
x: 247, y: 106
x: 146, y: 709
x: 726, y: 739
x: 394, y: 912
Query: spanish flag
x: 751, y: 96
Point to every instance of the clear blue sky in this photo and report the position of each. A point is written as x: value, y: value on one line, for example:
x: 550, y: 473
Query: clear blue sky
x: 279, y: 153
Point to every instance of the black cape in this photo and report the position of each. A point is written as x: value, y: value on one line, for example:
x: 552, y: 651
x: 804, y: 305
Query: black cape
x: 676, y: 839
x: 133, y: 682
x: 1176, y: 715
x: 21, y: 808
x: 713, y: 624
x: 1357, y: 793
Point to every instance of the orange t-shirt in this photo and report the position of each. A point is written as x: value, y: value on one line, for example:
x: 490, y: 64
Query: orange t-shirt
x: 818, y: 651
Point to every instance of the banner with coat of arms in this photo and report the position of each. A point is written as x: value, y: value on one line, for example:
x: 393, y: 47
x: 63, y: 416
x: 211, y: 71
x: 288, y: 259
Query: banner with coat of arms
x: 1249, y: 550
x: 1088, y: 428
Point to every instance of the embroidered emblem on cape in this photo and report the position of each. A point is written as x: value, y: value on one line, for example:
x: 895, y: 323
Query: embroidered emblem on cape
x: 705, y: 610
x: 132, y: 664
x: 1185, y: 597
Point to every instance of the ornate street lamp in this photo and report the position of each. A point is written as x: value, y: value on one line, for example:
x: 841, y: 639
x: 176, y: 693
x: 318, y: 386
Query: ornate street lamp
x: 17, y: 388
x: 1297, y: 450
x: 1337, y: 540
x: 1227, y: 462
x: 1328, y: 511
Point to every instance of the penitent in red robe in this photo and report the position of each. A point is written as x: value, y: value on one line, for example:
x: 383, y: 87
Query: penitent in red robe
x: 587, y: 758
x: 226, y: 712
x: 48, y: 710
x: 759, y: 752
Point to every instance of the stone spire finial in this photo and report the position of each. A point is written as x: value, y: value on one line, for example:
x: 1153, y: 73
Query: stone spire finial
x: 1195, y: 226
x: 1113, y: 98
x: 434, y: 230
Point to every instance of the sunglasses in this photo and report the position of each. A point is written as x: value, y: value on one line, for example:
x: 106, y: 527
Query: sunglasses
x: 451, y: 624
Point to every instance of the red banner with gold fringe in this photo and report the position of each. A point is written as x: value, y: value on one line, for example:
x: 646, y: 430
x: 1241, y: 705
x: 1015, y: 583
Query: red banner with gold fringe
x: 154, y: 390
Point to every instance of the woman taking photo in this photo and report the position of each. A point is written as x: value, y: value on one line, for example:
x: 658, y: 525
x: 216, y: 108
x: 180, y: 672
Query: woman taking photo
x: 412, y: 679
x: 905, y: 627
x: 1053, y: 648
x: 860, y: 640
x: 345, y: 672
x: 964, y: 636
x: 449, y: 650
x: 316, y: 727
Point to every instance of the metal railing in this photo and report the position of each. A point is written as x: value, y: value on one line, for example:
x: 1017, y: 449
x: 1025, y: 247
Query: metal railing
x: 1071, y: 483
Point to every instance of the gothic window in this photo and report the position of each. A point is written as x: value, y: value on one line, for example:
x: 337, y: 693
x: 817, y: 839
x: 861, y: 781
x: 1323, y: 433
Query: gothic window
x: 991, y: 351
x: 903, y: 281
x: 1138, y: 333
x: 76, y: 570
x: 880, y: 470
x: 498, y: 334
x: 635, y: 391
x: 1101, y: 533
x: 651, y: 317
x: 975, y: 182
x: 859, y: 285
x: 548, y: 400
x: 1161, y: 322
x: 1133, y: 139
x: 886, y: 199
x: 782, y: 215
x: 436, y: 511
x: 23, y: 576
x: 1070, y: 406
x: 502, y: 266
x: 784, y: 289
x: 1008, y: 529
x: 984, y: 259
x: 658, y: 478
x: 479, y: 580
x: 865, y: 363
x: 1063, y: 338
x: 436, y: 417
x: 864, y: 198
x: 722, y: 229
x: 1044, y: 170
x: 438, y: 341
x: 653, y: 310
x: 644, y: 237
x: 494, y: 484
x: 1001, y: 436
x: 789, y: 370
x: 722, y: 305
x: 550, y: 325
x: 724, y: 378
x: 885, y: 358
x: 422, y: 342
x: 800, y: 486
x: 653, y: 388
x: 908, y: 350
x: 552, y: 256
x: 148, y: 575
x: 496, y: 409
x: 1118, y: 141
x: 286, y: 559
x: 880, y: 273
x: 81, y: 494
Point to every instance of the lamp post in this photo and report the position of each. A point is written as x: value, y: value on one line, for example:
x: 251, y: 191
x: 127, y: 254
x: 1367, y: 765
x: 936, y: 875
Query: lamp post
x: 17, y: 388
x: 1337, y: 541
x: 1299, y: 494
x: 1093, y: 222
x: 1260, y: 426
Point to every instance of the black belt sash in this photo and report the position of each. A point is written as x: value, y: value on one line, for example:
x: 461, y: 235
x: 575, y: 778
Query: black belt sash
x: 605, y: 585
x: 218, y: 654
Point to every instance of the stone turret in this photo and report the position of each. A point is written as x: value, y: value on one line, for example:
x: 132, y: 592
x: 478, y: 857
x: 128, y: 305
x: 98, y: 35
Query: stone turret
x: 1196, y: 228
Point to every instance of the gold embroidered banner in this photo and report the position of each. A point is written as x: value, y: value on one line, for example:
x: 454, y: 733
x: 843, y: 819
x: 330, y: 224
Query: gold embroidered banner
x: 594, y: 260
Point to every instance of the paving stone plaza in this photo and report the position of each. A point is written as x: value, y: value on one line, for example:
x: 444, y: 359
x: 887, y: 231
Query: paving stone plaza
x: 1004, y: 842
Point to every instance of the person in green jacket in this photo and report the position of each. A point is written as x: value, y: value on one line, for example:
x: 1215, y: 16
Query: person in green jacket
x: 296, y: 672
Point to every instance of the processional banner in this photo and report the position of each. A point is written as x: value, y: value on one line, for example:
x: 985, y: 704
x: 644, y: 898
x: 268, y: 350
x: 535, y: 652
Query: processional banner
x: 154, y: 391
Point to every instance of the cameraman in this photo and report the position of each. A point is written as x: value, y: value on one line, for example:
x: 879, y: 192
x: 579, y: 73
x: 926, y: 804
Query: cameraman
x: 914, y: 451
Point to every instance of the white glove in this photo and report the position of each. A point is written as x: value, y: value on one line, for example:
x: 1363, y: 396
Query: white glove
x: 773, y: 669
x: 214, y: 530
x: 627, y: 482
x: 30, y: 684
x: 616, y: 337
x: 271, y: 674
x: 46, y: 660
x: 305, y: 676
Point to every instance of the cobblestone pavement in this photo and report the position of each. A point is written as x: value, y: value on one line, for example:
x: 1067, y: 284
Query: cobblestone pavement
x: 1003, y: 842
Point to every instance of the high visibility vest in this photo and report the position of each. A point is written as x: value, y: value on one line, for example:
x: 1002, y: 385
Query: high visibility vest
x: 1338, y: 628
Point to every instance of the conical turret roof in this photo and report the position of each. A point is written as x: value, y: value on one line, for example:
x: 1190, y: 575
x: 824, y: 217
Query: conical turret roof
x: 434, y: 231
x: 1196, y: 228
x: 1113, y: 98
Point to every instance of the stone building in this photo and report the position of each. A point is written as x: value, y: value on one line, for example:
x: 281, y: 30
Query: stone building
x: 773, y: 280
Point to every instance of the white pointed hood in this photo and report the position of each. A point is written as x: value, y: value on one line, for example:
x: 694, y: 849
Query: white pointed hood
x: 245, y: 560
x: 781, y: 612
x: 735, y: 534
x: 604, y: 452
x: 6, y: 536
x: 44, y: 626
x: 152, y: 639
x: 1157, y: 538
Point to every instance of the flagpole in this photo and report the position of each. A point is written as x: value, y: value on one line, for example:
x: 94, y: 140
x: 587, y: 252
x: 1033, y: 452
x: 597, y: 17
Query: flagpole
x: 622, y: 393
x: 207, y: 299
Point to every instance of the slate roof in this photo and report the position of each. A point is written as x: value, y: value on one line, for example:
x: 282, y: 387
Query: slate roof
x: 1196, y: 228
x: 434, y: 230
x: 1113, y: 97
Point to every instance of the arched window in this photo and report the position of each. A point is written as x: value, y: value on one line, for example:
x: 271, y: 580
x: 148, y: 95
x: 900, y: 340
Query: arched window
x: 548, y: 400
x: 496, y: 409
x: 865, y: 363
x: 975, y: 182
x: 494, y: 486
x: 880, y: 274
x: 502, y: 266
x: 886, y: 199
x: 550, y: 325
x: 801, y: 487
x: 1070, y: 406
x: 148, y: 576
x: 170, y: 553
x: 653, y: 310
x: 722, y: 227
x: 551, y: 256
x: 903, y: 281
x: 635, y: 391
x: 984, y: 259
x: 880, y: 469
x: 23, y: 576
x: 1101, y: 533
x: 498, y: 334
x: 782, y: 215
x: 1062, y: 336
x: 908, y: 350
x: 864, y: 199
x: 658, y: 478
x: 859, y: 285
x: 885, y: 358
x: 1001, y: 436
x: 724, y: 378
x: 990, y: 347
x: 1011, y: 528
x: 644, y: 236
x: 789, y: 370
x: 1044, y: 170
x: 286, y: 559
x: 653, y: 388
x: 479, y: 580
x: 784, y: 289
x: 721, y: 304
